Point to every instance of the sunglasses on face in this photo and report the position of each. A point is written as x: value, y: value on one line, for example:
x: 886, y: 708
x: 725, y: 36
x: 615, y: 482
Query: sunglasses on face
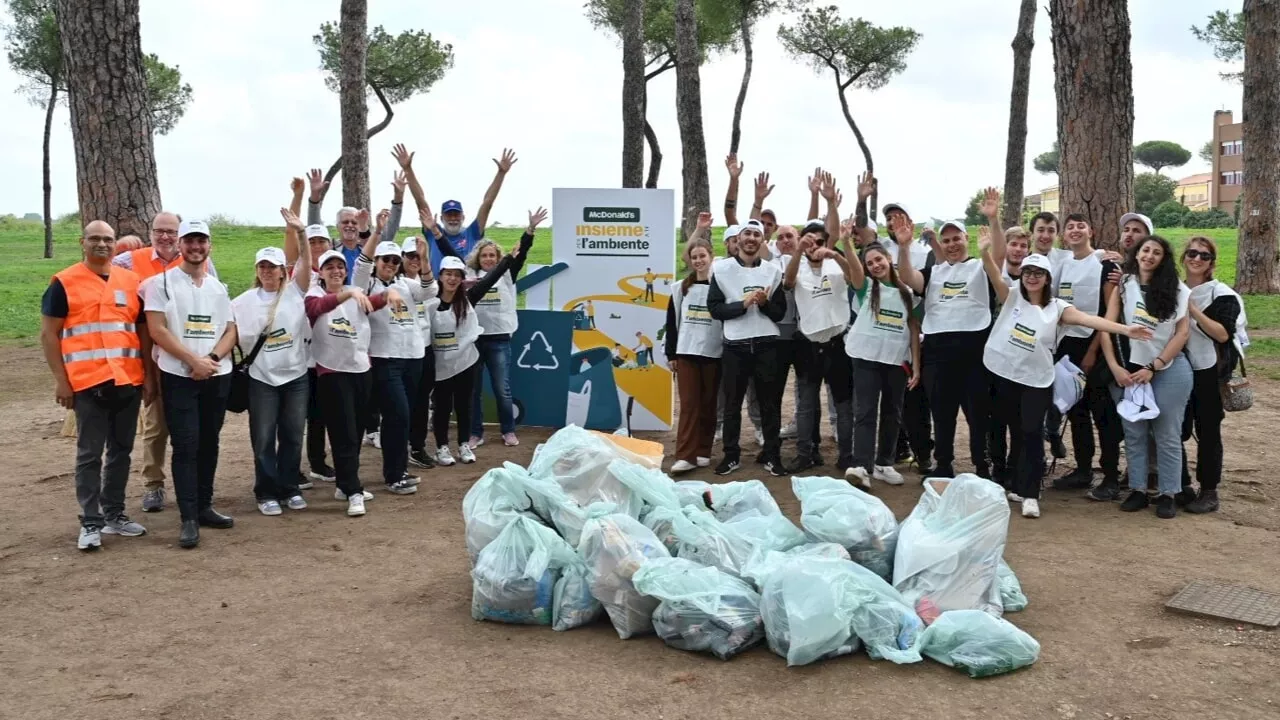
x: 391, y: 259
x: 1199, y: 255
x: 411, y: 256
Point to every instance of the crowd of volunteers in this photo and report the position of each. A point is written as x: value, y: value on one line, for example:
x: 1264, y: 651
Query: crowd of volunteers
x: 357, y: 339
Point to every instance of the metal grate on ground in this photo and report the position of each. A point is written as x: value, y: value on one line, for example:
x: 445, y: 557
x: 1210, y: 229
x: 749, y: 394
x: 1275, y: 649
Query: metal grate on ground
x: 1228, y: 602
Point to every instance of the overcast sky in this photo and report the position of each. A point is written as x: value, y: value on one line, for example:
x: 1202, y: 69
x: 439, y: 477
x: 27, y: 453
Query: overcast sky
x: 534, y: 75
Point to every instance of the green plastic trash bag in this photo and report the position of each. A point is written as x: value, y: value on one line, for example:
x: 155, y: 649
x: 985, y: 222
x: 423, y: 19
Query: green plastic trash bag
x: 978, y: 643
x: 807, y: 615
x: 703, y: 609
x: 662, y: 521
x: 950, y: 547
x: 614, y: 547
x: 702, y: 538
x: 492, y: 503
x: 1011, y: 596
x: 764, y: 562
x: 774, y: 532
x: 731, y: 499
x: 832, y: 510
x: 515, y: 575
x: 573, y: 605
x: 693, y: 492
x: 578, y: 461
x: 882, y: 619
x: 651, y: 485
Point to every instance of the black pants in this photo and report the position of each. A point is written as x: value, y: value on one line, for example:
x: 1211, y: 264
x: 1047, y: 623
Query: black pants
x: 917, y: 428
x: 957, y: 380
x: 1205, y: 414
x: 343, y: 397
x: 877, y: 400
x: 1022, y: 409
x: 395, y: 385
x: 998, y: 433
x: 194, y: 410
x: 418, y: 421
x: 106, y: 418
x: 764, y: 363
x: 818, y: 363
x: 1096, y: 408
x: 454, y: 394
x: 315, y: 424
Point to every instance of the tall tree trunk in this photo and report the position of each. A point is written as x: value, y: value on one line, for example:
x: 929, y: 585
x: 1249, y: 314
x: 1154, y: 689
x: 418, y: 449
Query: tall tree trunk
x: 48, y: 174
x: 1093, y: 81
x: 336, y: 167
x: 693, y: 143
x: 1015, y: 159
x: 110, y: 113
x: 841, y: 86
x: 655, y: 156
x: 633, y: 94
x: 1256, y: 263
x: 735, y: 138
x: 353, y: 27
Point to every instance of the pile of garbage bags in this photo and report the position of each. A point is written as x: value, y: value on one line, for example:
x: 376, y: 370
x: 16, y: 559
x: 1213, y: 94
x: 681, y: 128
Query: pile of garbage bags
x: 594, y: 528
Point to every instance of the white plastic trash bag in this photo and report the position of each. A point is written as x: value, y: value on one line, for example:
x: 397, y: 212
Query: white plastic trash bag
x: 614, y: 547
x: 578, y: 461
x: 573, y: 605
x: 979, y: 644
x: 765, y: 562
x: 492, y: 503
x: 661, y: 521
x: 702, y: 538
x: 882, y: 619
x: 693, y: 492
x: 834, y: 511
x: 949, y: 548
x: 729, y: 500
x: 651, y: 485
x: 774, y: 532
x: 1012, y: 599
x: 702, y: 608
x: 515, y: 575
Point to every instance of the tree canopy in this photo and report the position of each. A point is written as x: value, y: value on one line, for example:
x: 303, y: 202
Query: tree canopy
x: 860, y: 54
x: 1047, y: 163
x: 718, y: 24
x: 1224, y: 31
x: 1150, y: 190
x: 1206, y: 152
x: 1160, y: 154
x: 398, y: 66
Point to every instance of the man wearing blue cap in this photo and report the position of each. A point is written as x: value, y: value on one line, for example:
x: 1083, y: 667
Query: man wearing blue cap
x: 452, y: 219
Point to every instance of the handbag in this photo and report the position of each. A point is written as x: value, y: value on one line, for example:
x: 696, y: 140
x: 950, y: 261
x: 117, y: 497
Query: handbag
x: 238, y: 395
x: 1237, y: 392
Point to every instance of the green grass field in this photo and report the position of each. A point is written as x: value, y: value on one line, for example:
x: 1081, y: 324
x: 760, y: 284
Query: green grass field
x: 24, y: 274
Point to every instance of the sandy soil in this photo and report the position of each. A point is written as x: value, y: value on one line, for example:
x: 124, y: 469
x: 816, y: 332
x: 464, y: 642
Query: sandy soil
x: 316, y: 615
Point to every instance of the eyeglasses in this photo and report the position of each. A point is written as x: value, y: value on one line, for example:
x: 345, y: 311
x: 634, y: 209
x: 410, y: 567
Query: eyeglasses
x: 411, y: 256
x: 1034, y: 272
x: 1199, y: 255
x: 164, y: 233
x: 391, y: 259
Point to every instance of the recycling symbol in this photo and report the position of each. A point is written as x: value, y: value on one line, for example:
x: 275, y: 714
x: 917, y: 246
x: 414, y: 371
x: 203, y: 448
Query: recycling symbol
x: 543, y: 358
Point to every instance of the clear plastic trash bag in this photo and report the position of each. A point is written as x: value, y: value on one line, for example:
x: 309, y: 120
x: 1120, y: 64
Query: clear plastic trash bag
x: 731, y: 499
x: 651, y: 485
x: 764, y: 562
x: 949, y: 548
x: 1011, y: 596
x: 573, y: 605
x: 614, y: 547
x: 515, y: 576
x: 702, y: 538
x: 662, y: 521
x: 774, y: 532
x: 492, y: 503
x: 702, y: 609
x: 807, y: 613
x: 978, y: 643
x: 578, y: 461
x: 693, y: 492
x: 832, y: 510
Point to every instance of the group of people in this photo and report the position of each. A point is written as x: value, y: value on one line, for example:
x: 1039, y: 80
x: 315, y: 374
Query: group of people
x: 349, y: 338
x: 908, y: 329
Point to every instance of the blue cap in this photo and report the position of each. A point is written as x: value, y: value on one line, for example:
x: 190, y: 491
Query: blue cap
x: 450, y: 206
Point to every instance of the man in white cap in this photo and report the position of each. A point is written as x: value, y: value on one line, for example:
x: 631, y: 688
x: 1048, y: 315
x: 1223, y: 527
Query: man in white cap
x: 190, y: 318
x: 1134, y: 227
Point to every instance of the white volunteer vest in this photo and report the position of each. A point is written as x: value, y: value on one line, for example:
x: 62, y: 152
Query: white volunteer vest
x: 340, y: 337
x: 497, y: 309
x: 1143, y: 352
x: 957, y: 298
x: 918, y: 251
x: 790, y: 317
x: 1079, y: 282
x: 735, y: 280
x: 197, y: 316
x: 454, y: 346
x: 287, y: 350
x: 1201, y: 348
x: 696, y: 332
x: 393, y: 332
x: 1023, y: 340
x: 822, y: 300
x: 884, y: 336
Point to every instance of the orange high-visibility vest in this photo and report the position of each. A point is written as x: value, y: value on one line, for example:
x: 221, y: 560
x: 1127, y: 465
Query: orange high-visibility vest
x: 147, y: 263
x: 100, y: 340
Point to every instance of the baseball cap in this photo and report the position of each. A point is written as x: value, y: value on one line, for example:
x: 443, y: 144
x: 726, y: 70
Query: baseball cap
x: 330, y: 255
x: 754, y: 225
x: 1146, y: 221
x: 957, y: 224
x: 895, y: 206
x: 452, y: 263
x: 273, y: 255
x: 193, y: 227
x: 770, y: 213
x: 813, y: 226
x: 1036, y: 260
x: 450, y: 206
x: 315, y: 231
x: 410, y: 245
x: 387, y: 248
x: 732, y: 231
x: 1139, y: 403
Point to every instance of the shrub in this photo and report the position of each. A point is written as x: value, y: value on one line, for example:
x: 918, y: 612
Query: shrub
x: 1211, y: 218
x: 1169, y: 214
x: 223, y: 220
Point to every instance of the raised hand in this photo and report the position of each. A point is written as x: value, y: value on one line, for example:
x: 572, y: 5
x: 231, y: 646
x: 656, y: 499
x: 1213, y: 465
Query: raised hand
x: 398, y: 184
x: 815, y: 180
x: 516, y: 252
x: 733, y: 166
x: 362, y: 219
x: 806, y: 243
x: 403, y: 157
x: 902, y: 230
x: 318, y: 184
x: 291, y: 221
x: 536, y: 218
x: 297, y: 185
x: 828, y: 187
x: 428, y: 220
x: 508, y: 159
x: 990, y: 206
x: 763, y: 188
x: 704, y: 221
x: 846, y: 228
x: 866, y: 185
x: 383, y: 215
x: 984, y: 239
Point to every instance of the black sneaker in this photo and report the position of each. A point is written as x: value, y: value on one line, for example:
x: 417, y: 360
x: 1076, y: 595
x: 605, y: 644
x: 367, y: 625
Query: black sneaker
x: 776, y: 468
x: 800, y: 463
x: 1078, y: 479
x: 1137, y: 500
x: 760, y: 458
x: 1185, y: 497
x: 1166, y: 507
x: 983, y: 471
x: 942, y: 471
x: 1056, y: 448
x: 817, y: 460
x: 1003, y: 477
x: 421, y: 459
x: 925, y: 468
x: 727, y: 466
x: 1206, y: 503
x: 1106, y: 491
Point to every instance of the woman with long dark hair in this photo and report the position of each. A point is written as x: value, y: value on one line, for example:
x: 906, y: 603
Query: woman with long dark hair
x: 1151, y: 295
x: 693, y: 345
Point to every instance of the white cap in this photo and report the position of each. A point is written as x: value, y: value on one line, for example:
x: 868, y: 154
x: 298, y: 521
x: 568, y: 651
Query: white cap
x: 732, y: 231
x: 314, y: 231
x: 754, y: 224
x: 957, y: 224
x: 895, y: 206
x: 410, y: 245
x: 329, y: 255
x: 1124, y: 219
x: 1139, y: 403
x: 452, y: 263
x: 273, y: 255
x: 193, y: 227
x: 387, y: 248
x: 1036, y: 260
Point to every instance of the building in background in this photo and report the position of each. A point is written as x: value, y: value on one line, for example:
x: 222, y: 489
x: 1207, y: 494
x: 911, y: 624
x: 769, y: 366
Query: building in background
x: 1193, y: 191
x: 1051, y: 200
x: 1032, y: 203
x: 1227, y: 180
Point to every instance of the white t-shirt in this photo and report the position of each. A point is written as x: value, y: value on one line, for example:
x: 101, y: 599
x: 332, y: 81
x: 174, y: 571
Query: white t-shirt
x: 957, y: 298
x: 284, y: 355
x: 884, y: 336
x: 1023, y: 340
x: 697, y: 333
x: 735, y: 281
x: 1144, y: 352
x: 822, y: 300
x: 196, y: 315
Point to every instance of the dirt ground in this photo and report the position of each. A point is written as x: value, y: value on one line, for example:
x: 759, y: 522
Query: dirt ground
x: 317, y: 615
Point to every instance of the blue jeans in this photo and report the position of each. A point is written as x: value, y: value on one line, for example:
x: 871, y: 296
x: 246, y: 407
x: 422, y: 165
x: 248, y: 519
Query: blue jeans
x: 495, y: 354
x: 1172, y: 387
x: 395, y: 389
x: 277, y: 417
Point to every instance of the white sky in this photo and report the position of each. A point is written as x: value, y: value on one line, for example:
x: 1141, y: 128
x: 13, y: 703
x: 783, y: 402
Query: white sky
x: 534, y: 75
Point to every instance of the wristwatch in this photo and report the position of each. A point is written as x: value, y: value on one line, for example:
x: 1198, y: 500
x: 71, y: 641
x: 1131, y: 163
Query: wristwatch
x: 215, y: 357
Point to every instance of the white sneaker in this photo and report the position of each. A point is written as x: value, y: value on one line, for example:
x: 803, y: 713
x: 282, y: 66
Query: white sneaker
x: 297, y: 502
x: 90, y: 539
x: 887, y: 475
x: 1014, y: 497
x: 1030, y: 508
x: 858, y: 476
x: 465, y: 454
x: 444, y: 458
x: 760, y: 438
x: 355, y: 506
x: 374, y: 438
x: 788, y: 431
x: 704, y: 462
x: 270, y: 507
x: 681, y: 466
x: 339, y: 495
x: 475, y: 441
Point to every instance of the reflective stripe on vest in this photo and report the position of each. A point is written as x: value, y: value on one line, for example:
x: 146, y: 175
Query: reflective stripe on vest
x: 98, y: 328
x: 101, y: 355
x: 99, y: 338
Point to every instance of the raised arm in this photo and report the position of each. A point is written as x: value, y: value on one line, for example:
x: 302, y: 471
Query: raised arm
x: 815, y: 187
x: 392, y: 227
x: 866, y: 186
x: 991, y: 209
x: 490, y: 195
x: 993, y: 270
x: 793, y: 266
x: 526, y: 241
x: 911, y: 277
x: 318, y: 188
x: 731, y: 196
x: 702, y: 230
x: 856, y: 273
x: 404, y: 159
x: 833, y: 197
x: 293, y: 239
x: 763, y: 188
x: 302, y: 249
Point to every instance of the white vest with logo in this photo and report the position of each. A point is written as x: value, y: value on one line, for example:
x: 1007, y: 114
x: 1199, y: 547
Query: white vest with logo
x: 822, y: 300
x: 1143, y: 352
x: 1201, y: 349
x: 1079, y: 282
x: 735, y: 281
x: 957, y: 298
x: 497, y: 309
x: 340, y: 337
x: 884, y: 336
x: 697, y: 333
x: 395, y: 333
x: 454, y: 345
x: 1023, y: 340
